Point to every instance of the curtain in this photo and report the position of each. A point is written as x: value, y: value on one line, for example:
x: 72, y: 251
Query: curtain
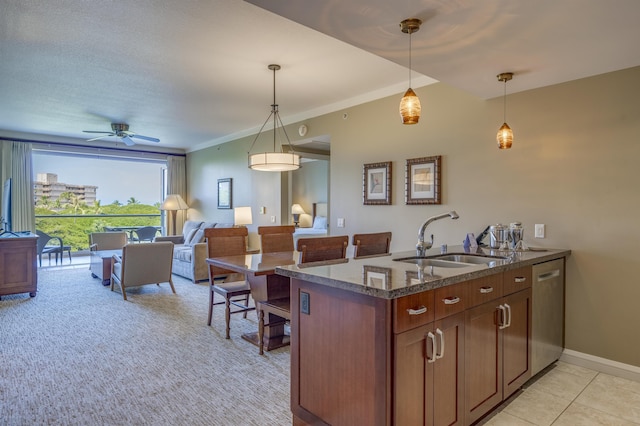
x: 177, y: 184
x: 17, y: 164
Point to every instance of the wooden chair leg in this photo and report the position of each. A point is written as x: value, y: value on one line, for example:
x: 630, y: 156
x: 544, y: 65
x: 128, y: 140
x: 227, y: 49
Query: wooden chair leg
x: 211, y: 293
x: 261, y: 330
x: 246, y: 303
x: 227, y: 316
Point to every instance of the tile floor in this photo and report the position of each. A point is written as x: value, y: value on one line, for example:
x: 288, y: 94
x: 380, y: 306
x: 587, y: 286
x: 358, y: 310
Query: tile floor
x: 562, y: 395
x: 568, y: 395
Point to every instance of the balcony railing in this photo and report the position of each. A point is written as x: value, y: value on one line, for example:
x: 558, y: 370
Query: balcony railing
x: 75, y: 229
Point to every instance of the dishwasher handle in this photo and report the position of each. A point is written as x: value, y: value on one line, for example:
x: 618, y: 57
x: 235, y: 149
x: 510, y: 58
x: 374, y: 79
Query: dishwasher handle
x: 548, y: 275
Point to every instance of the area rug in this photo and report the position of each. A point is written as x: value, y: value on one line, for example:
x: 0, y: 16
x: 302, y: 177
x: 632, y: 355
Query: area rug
x: 78, y: 354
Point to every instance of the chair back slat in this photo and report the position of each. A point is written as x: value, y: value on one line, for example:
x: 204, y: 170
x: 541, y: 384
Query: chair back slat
x: 322, y: 248
x: 371, y: 244
x: 276, y: 238
x: 225, y: 242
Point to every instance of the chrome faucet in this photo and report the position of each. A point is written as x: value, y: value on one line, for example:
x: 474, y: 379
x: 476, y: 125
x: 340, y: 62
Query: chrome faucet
x: 421, y: 247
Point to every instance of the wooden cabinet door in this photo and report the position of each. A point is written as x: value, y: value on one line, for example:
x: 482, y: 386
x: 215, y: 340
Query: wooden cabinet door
x: 429, y: 374
x: 413, y: 377
x: 483, y: 360
x: 448, y: 371
x: 516, y: 342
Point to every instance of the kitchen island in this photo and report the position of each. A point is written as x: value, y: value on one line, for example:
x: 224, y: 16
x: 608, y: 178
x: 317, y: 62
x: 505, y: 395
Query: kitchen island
x: 378, y: 341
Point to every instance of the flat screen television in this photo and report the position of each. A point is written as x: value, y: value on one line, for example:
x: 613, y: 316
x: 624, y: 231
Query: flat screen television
x: 5, y: 214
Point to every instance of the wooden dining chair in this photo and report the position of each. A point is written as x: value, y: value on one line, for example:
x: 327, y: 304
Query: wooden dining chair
x: 311, y: 250
x: 375, y: 244
x: 322, y: 248
x: 276, y: 238
x: 227, y: 242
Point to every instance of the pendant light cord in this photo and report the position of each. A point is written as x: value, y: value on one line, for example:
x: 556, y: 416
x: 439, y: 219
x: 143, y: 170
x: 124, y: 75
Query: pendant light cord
x: 504, y: 102
x: 410, y: 32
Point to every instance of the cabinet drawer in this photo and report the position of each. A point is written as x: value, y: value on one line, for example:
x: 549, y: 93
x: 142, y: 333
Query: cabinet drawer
x: 483, y: 289
x: 517, y: 279
x: 450, y: 300
x: 412, y: 311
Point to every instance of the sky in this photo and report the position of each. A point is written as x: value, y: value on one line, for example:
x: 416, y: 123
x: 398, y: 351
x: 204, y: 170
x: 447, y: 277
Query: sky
x: 115, y: 179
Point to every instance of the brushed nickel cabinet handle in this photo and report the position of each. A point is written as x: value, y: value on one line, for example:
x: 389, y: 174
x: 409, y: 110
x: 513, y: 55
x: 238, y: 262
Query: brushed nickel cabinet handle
x: 503, y: 317
x: 506, y: 305
x: 485, y: 290
x: 440, y: 354
x: 451, y: 300
x: 421, y: 310
x: 520, y: 279
x: 431, y: 337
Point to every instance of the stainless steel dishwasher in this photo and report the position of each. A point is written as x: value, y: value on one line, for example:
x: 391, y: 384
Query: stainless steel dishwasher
x: 547, y: 329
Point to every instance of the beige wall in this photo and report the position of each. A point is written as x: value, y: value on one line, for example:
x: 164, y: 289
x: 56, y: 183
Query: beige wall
x: 573, y: 167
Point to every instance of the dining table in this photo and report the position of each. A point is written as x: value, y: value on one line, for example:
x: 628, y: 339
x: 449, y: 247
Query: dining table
x: 259, y: 270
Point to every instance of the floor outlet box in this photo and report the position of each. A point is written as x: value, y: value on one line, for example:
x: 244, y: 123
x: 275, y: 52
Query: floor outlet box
x: 539, y: 230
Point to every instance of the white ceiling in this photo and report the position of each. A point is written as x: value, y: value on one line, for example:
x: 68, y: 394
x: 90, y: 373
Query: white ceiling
x: 194, y: 73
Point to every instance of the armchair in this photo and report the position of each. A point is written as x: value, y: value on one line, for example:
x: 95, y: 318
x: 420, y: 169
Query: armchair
x: 44, y: 246
x: 142, y: 264
x: 107, y: 240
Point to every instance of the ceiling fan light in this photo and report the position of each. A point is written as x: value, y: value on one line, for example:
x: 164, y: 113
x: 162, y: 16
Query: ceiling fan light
x: 505, y: 137
x: 274, y: 161
x: 410, y: 107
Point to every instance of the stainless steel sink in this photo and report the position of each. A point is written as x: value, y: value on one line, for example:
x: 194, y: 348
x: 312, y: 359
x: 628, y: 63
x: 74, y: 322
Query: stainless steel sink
x: 475, y: 259
x: 422, y: 261
x: 452, y: 260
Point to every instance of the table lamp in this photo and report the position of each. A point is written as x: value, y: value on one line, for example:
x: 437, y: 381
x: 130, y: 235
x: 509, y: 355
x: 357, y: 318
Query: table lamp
x: 173, y: 203
x: 242, y: 216
x: 296, y: 211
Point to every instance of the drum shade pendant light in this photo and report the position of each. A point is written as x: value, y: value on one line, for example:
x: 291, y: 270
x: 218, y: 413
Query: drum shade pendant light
x: 410, y: 103
x: 505, y: 134
x: 275, y: 161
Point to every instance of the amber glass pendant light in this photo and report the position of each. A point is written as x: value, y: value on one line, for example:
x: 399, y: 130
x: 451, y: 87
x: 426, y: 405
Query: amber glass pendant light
x: 410, y: 104
x: 505, y: 134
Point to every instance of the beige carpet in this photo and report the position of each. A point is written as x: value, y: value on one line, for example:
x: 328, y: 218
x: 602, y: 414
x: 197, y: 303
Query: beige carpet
x: 77, y: 354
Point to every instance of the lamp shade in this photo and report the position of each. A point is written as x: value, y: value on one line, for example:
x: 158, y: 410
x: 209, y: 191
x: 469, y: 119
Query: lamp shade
x: 174, y: 202
x: 505, y: 137
x: 410, y: 107
x: 242, y: 216
x: 297, y: 209
x: 274, y: 161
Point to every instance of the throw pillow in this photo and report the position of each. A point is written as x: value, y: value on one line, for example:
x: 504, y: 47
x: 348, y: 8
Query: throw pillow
x: 196, y: 238
x: 189, y: 237
x: 320, y: 222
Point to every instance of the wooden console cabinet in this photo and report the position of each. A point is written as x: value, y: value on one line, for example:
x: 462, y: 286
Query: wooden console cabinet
x: 446, y: 356
x: 18, y: 269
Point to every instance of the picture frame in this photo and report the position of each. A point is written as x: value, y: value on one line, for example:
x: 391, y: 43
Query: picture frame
x: 376, y: 183
x: 423, y: 183
x: 225, y: 194
x: 376, y: 276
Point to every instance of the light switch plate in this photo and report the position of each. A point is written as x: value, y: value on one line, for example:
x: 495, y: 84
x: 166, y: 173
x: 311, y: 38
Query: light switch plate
x: 539, y: 230
x: 341, y: 222
x: 263, y: 210
x: 273, y: 219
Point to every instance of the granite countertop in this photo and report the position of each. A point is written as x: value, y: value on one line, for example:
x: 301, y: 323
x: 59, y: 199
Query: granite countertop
x: 383, y: 277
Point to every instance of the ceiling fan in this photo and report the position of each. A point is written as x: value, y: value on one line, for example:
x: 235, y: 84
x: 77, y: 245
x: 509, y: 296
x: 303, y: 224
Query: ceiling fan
x: 121, y: 130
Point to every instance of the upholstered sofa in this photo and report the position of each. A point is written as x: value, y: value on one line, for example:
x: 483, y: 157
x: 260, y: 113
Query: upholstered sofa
x: 190, y: 249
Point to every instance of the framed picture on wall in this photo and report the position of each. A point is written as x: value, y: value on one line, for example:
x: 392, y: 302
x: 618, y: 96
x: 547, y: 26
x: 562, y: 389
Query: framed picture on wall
x: 224, y: 193
x: 423, y: 184
x: 376, y: 183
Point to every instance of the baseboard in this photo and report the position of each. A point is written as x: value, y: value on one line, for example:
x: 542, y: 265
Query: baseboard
x: 603, y: 365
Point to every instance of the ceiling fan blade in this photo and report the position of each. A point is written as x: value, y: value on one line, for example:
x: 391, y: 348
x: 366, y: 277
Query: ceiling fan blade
x: 128, y: 141
x: 100, y: 137
x: 95, y: 131
x: 146, y: 138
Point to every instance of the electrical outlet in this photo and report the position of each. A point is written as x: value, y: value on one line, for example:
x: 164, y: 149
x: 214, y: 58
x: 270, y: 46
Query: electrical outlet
x: 273, y: 219
x: 341, y: 222
x: 539, y: 230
